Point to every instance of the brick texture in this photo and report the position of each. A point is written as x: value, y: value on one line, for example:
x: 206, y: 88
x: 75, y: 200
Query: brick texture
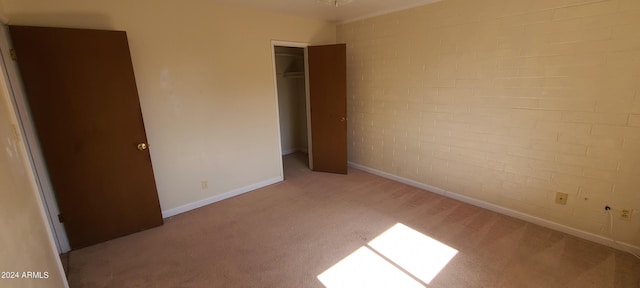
x: 505, y: 101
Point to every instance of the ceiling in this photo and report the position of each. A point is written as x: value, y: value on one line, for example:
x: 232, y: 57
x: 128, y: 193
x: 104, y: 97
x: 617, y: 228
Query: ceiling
x: 355, y: 10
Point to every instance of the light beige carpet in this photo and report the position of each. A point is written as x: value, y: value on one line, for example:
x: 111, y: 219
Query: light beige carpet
x: 288, y: 234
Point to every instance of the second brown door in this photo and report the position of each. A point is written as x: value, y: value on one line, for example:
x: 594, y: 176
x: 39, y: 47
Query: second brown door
x: 328, y: 102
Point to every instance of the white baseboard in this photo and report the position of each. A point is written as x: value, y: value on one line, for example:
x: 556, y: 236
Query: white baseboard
x: 506, y: 211
x: 219, y: 197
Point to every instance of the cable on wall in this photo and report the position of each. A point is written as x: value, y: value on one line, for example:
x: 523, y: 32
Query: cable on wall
x: 608, y: 209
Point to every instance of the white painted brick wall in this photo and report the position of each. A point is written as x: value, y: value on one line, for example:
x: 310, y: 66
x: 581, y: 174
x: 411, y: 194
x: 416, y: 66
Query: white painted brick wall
x: 505, y: 101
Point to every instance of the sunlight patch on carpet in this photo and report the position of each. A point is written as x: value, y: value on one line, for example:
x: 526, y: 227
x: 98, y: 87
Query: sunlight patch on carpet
x: 364, y: 268
x: 420, y: 256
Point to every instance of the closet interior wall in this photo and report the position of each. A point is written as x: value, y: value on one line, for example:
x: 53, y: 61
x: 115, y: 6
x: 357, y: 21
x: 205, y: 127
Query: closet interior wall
x: 291, y: 98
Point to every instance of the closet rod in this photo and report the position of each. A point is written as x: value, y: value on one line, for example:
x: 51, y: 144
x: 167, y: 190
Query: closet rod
x: 289, y: 55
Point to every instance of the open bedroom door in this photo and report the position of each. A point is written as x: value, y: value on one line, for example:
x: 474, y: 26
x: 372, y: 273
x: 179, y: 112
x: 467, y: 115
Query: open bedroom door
x: 328, y: 107
x: 83, y: 99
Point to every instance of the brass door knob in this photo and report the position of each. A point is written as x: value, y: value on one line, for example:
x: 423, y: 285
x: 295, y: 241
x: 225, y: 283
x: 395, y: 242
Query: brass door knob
x: 343, y: 119
x: 142, y: 146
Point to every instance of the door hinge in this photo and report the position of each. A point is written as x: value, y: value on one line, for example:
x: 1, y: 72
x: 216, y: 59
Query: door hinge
x: 14, y: 57
x: 60, y: 218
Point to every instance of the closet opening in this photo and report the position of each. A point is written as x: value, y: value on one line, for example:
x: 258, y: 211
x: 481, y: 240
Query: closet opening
x: 293, y: 107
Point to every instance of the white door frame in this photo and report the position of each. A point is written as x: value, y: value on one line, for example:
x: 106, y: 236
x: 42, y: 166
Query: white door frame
x: 275, y: 43
x: 34, y: 153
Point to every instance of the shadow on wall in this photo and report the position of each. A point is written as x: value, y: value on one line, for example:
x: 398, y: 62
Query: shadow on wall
x: 63, y: 20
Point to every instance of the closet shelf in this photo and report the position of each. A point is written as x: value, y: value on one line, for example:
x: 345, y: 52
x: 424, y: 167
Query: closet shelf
x: 293, y: 74
x: 289, y: 54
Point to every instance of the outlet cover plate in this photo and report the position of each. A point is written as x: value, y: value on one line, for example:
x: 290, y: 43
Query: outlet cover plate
x: 625, y: 214
x: 561, y: 198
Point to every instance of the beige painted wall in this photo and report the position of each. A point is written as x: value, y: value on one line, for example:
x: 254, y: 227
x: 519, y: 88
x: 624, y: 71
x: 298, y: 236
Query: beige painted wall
x: 505, y: 101
x: 25, y: 244
x: 205, y: 77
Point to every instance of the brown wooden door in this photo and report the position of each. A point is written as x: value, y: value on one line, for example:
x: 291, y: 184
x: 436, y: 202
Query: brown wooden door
x: 82, y: 94
x: 328, y: 103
